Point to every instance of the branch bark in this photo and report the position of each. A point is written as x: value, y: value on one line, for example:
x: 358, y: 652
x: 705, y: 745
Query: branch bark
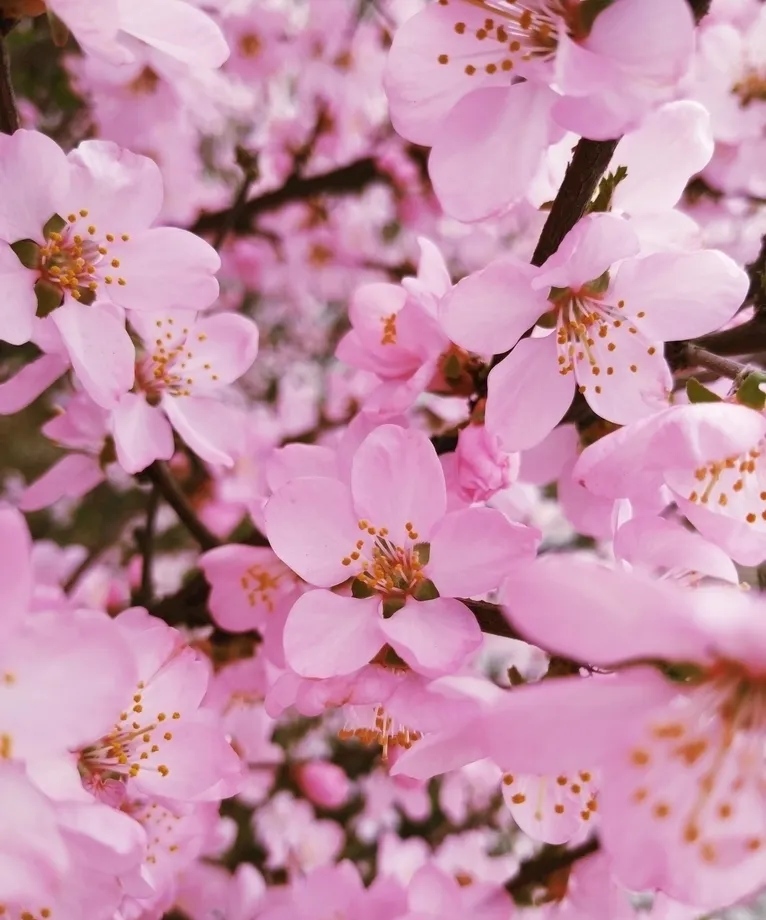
x: 9, y: 115
x: 160, y: 476
x: 538, y: 869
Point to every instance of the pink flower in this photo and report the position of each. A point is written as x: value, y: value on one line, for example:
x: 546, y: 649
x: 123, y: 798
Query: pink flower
x: 76, y: 243
x: 387, y: 531
x: 325, y: 784
x: 610, y: 323
x: 113, y: 29
x: 679, y: 745
x: 187, y: 363
x: 482, y: 468
x: 452, y: 84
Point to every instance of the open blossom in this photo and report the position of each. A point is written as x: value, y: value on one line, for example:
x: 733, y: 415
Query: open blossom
x: 387, y: 531
x: 187, y: 362
x: 452, y: 84
x: 611, y: 312
x: 77, y: 246
x: 680, y: 752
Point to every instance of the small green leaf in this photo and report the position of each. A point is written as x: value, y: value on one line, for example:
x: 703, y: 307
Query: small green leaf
x: 28, y: 253
x: 55, y: 225
x: 750, y: 392
x: 606, y: 187
x: 600, y: 284
x: 452, y: 369
x: 48, y: 298
x: 425, y: 591
x: 392, y: 605
x: 698, y: 393
x: 59, y: 32
x: 360, y: 589
x: 423, y: 552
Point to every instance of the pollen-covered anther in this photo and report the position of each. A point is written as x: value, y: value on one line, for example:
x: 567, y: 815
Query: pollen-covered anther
x: 389, y: 326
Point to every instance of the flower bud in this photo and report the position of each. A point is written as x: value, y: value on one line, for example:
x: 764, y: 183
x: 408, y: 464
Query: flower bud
x: 325, y: 784
x: 482, y: 467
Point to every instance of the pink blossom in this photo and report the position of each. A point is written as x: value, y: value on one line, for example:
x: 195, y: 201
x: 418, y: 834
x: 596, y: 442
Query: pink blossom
x: 482, y: 468
x: 374, y: 530
x: 187, y: 362
x: 609, y: 325
x: 325, y: 784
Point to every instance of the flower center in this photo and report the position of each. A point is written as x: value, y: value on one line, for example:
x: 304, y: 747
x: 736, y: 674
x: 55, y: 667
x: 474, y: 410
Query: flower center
x: 390, y: 570
x: 751, y: 88
x: 374, y: 725
x: 171, y: 366
x: 735, y: 486
x: 250, y: 45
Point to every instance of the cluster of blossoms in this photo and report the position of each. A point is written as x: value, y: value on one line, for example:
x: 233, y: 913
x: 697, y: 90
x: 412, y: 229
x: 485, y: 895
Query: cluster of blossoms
x: 383, y: 500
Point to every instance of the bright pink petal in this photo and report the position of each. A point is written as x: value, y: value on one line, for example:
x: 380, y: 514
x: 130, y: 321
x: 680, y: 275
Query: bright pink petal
x: 141, y: 432
x: 206, y: 426
x: 312, y: 527
x: 527, y: 396
x: 34, y: 175
x: 122, y: 191
x: 594, y: 244
x: 471, y: 550
x: 178, y: 29
x: 19, y: 301
x: 488, y: 311
x: 102, y: 354
x: 327, y: 635
x: 601, y: 616
x: 15, y: 568
x: 484, y: 128
x: 72, y: 477
x: 683, y: 294
x: 434, y: 637
x: 30, y: 382
x: 396, y: 479
x: 421, y: 85
x: 163, y: 267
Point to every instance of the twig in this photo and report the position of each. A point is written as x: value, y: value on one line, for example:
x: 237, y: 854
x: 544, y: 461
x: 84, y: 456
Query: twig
x: 746, y: 339
x: 146, y: 536
x: 82, y: 568
x: 248, y: 163
x: 694, y: 356
x: 345, y: 180
x: 581, y: 179
x: 9, y: 114
x: 538, y: 869
x: 158, y: 474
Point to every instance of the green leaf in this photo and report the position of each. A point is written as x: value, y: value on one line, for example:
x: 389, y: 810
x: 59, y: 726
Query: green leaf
x: 392, y: 605
x: 425, y: 591
x: 28, y: 253
x: 360, y: 589
x: 54, y: 225
x: 48, y: 298
x: 750, y: 392
x: 698, y: 393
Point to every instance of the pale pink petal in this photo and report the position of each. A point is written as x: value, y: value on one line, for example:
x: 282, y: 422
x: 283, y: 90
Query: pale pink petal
x: 745, y: 544
x: 178, y: 29
x: 594, y: 244
x: 31, y: 381
x: 471, y: 550
x: 421, y: 89
x: 72, y: 477
x: 222, y: 348
x: 600, y: 616
x: 102, y: 354
x: 434, y: 637
x: 527, y: 396
x: 164, y: 267
x: 546, y: 461
x: 681, y: 130
x: 95, y: 28
x: 122, y: 191
x: 19, y: 301
x: 627, y: 383
x: 489, y: 310
x: 327, y: 635
x: 484, y: 128
x: 141, y: 432
x: 396, y: 479
x: 683, y: 294
x: 34, y: 174
x: 312, y: 527
x: 299, y: 460
x: 15, y: 568
x: 205, y: 425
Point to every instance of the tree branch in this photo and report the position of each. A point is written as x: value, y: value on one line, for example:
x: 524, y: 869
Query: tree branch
x: 248, y: 163
x: 538, y: 869
x: 9, y: 115
x: 145, y: 537
x: 695, y: 356
x: 345, y: 180
x: 159, y: 474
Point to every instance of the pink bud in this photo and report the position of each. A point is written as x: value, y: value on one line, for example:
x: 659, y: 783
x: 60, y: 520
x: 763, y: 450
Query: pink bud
x: 326, y: 784
x: 482, y: 468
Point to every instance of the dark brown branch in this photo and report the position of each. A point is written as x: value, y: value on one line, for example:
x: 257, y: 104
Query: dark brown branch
x: 581, y: 179
x: 538, y: 869
x: 145, y: 537
x: 9, y: 115
x: 159, y: 474
x: 746, y: 339
x: 694, y: 356
x: 345, y: 180
x: 248, y: 163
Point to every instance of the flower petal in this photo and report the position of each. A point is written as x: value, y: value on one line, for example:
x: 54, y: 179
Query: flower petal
x: 19, y: 301
x: 141, y: 433
x: 73, y: 476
